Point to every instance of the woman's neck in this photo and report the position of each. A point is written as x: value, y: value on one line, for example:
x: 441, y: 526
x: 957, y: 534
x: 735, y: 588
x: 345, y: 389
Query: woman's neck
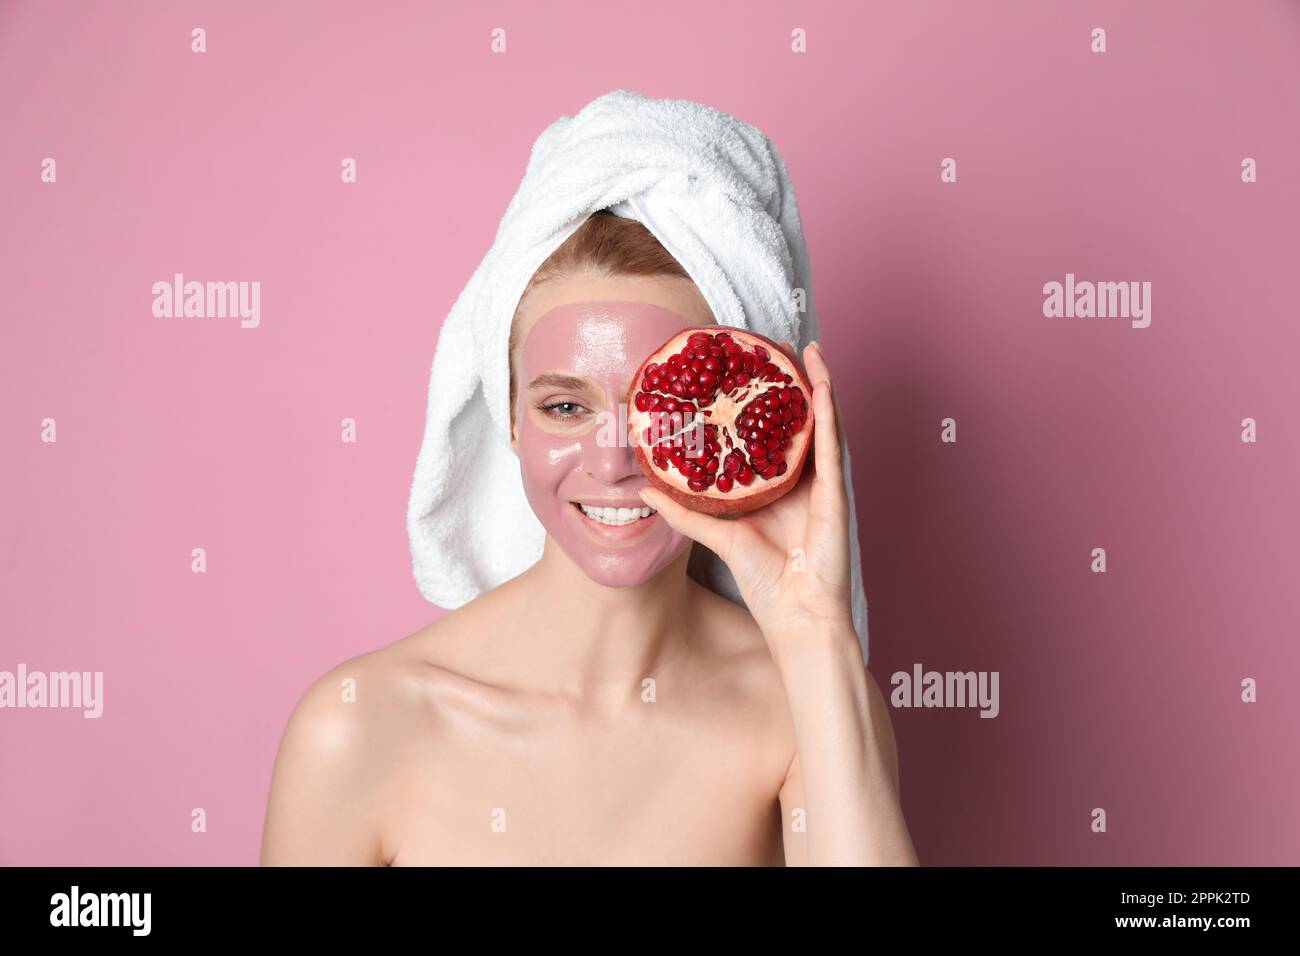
x: 600, y: 642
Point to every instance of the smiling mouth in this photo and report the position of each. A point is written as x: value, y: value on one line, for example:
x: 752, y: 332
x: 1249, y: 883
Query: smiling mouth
x: 615, y: 517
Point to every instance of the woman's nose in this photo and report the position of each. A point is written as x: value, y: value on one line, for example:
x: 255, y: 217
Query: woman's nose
x: 607, y: 454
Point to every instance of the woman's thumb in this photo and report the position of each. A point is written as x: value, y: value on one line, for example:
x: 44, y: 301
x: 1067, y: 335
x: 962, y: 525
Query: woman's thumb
x: 714, y: 533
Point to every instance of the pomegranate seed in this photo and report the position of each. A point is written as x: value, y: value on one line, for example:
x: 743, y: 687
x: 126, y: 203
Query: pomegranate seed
x: 724, y: 483
x: 745, y: 475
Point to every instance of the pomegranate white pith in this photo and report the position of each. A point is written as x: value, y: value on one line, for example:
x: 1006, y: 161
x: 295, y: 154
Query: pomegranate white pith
x: 721, y: 420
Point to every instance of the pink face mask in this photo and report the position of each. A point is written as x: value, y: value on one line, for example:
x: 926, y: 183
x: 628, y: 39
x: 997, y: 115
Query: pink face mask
x: 578, y: 469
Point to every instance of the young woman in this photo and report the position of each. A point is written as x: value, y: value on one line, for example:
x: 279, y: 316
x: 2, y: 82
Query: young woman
x: 603, y: 708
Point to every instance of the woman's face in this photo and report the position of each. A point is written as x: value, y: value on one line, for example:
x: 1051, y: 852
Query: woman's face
x: 580, y: 343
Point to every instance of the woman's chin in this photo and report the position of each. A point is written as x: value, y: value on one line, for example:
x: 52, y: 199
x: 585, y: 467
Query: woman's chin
x: 626, y: 562
x: 614, y: 571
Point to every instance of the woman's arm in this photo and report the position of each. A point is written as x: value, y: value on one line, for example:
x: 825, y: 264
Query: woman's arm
x: 844, y: 775
x: 791, y: 563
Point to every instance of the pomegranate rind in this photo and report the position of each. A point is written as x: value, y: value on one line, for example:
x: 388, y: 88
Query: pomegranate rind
x: 761, y: 491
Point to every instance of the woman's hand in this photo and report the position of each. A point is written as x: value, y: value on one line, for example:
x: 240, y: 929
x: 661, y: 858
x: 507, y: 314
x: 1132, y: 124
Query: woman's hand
x: 790, y: 559
x: 791, y: 562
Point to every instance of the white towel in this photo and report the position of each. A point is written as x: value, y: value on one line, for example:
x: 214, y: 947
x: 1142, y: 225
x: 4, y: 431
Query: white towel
x: 715, y: 192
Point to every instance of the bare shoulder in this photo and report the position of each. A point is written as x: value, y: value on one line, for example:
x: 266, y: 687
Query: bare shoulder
x: 741, y: 671
x: 348, y: 743
x: 339, y: 713
x: 732, y: 636
x: 323, y: 807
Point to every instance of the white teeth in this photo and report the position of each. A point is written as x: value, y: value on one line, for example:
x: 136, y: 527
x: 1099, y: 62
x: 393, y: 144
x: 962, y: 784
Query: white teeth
x: 615, y: 516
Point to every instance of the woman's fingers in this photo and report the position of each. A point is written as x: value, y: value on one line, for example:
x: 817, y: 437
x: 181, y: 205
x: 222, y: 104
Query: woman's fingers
x: 828, y: 506
x: 826, y: 438
x: 714, y: 533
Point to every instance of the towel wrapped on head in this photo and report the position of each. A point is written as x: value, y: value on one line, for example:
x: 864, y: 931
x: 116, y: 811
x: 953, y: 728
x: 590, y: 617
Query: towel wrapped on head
x: 716, y: 194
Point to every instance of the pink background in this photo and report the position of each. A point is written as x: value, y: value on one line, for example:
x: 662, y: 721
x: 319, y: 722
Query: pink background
x: 1118, y: 690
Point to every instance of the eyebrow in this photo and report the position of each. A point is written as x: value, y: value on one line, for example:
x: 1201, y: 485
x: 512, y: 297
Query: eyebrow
x: 559, y: 382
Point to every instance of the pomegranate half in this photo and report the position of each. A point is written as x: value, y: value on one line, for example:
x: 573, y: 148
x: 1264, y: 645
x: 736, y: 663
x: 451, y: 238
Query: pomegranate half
x: 720, y: 419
